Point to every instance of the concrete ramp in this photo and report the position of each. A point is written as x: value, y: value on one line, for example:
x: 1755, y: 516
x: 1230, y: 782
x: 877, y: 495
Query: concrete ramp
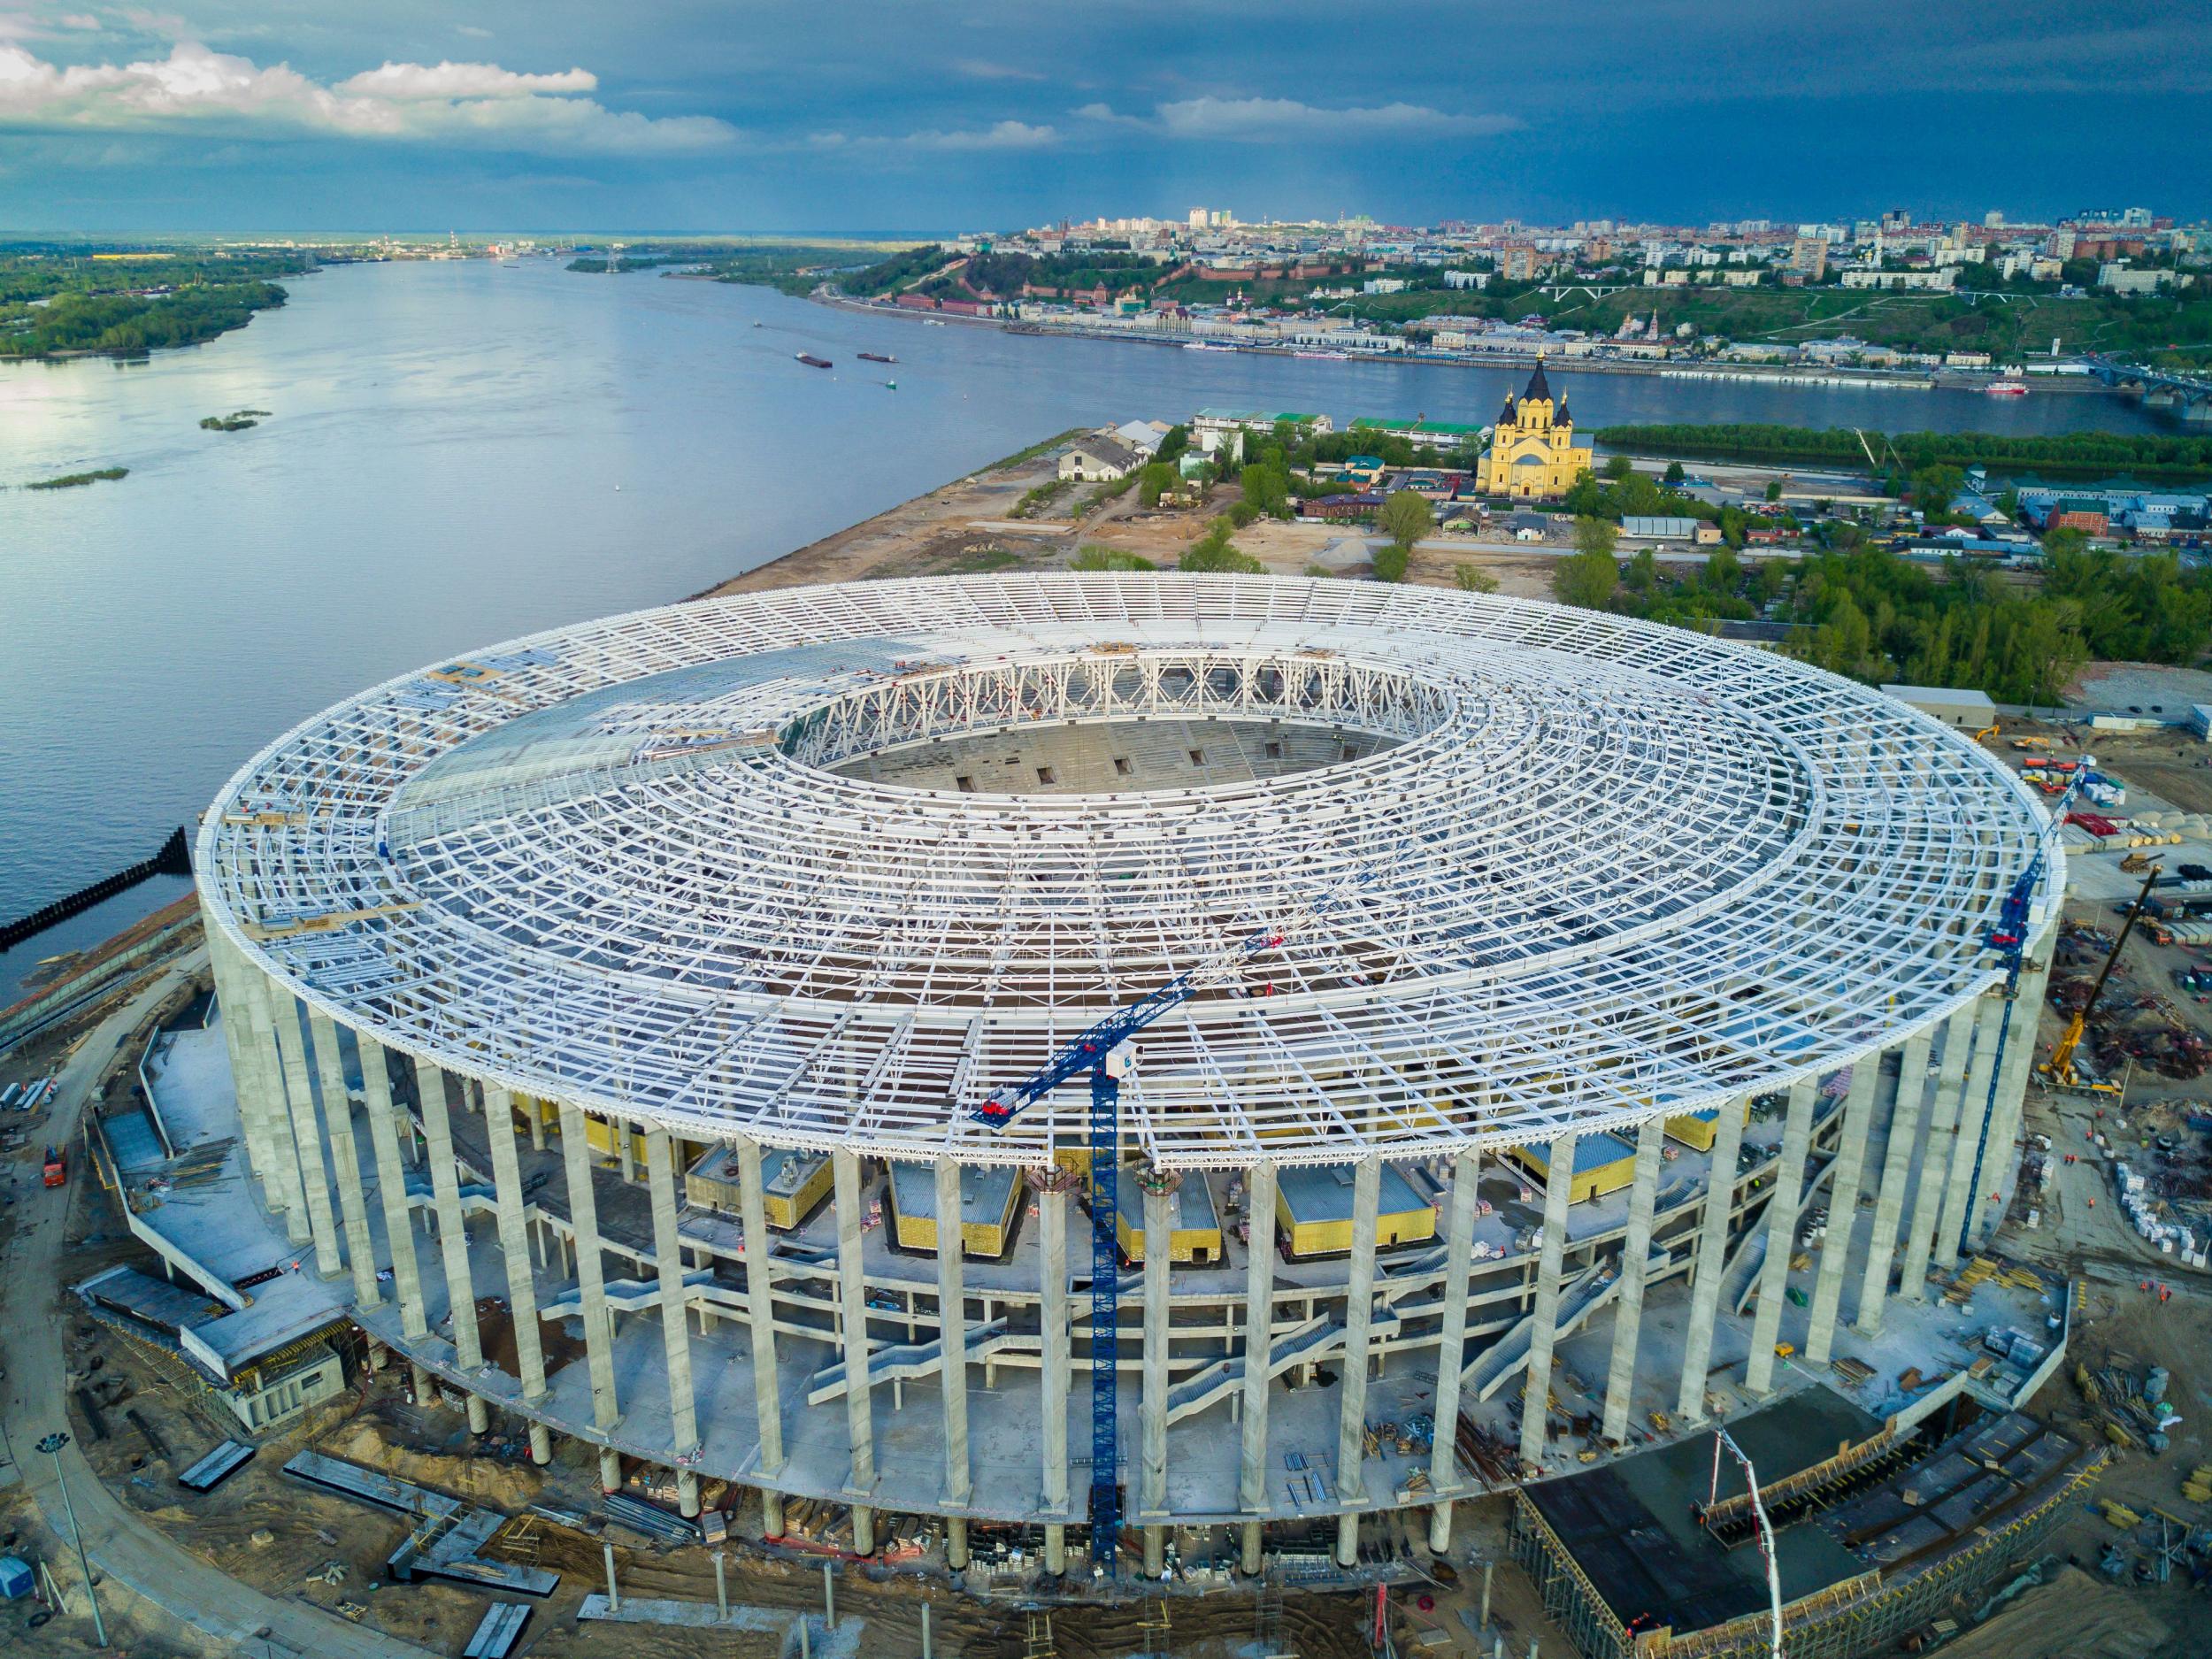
x: 1578, y: 1298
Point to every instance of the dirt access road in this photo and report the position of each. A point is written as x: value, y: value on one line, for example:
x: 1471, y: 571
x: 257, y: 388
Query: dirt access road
x: 124, y: 1548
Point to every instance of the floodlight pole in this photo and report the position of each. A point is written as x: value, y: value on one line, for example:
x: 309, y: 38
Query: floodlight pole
x: 51, y: 1446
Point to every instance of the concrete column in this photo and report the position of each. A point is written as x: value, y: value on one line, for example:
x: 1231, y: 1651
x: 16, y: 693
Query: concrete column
x: 668, y: 1257
x: 1451, y: 1347
x: 1712, y: 1259
x: 1152, y: 1403
x: 860, y: 1423
x: 1259, y: 1341
x: 1781, y: 1223
x: 453, y: 1239
x: 952, y: 1327
x: 760, y: 1314
x: 1628, y: 1309
x: 1958, y: 1194
x: 256, y: 1000
x: 2000, y: 1155
x: 1958, y: 1036
x: 1544, y: 1330
x: 1359, y: 1318
x: 591, y: 1279
x: 1053, y: 1375
x: 249, y: 1079
x: 609, y: 1470
x: 1897, y: 1161
x: 306, y: 1133
x: 391, y: 1186
x: 345, y: 1156
x: 1843, y: 1207
x: 514, y: 1244
x: 424, y: 1384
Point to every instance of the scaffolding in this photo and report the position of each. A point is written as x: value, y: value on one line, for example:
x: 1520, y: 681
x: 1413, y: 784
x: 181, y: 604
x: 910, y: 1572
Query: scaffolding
x: 1635, y: 872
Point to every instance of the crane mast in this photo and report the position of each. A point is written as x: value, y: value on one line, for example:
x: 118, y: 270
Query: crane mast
x: 1104, y: 1053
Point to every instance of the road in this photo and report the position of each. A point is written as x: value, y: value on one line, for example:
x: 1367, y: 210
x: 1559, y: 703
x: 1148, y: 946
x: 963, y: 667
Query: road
x: 124, y: 1548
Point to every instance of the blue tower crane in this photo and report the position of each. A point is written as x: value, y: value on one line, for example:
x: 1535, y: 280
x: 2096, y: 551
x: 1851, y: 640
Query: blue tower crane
x: 1103, y: 1052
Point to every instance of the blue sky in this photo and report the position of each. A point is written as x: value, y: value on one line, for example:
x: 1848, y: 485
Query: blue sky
x: 755, y: 115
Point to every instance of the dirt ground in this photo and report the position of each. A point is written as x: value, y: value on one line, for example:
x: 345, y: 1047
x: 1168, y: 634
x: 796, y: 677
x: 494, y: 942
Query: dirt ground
x: 968, y: 527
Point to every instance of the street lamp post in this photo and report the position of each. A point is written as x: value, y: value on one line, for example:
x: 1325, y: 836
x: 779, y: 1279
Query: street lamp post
x: 51, y: 1446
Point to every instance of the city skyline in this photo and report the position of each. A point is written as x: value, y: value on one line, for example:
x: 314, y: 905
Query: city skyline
x: 237, y: 115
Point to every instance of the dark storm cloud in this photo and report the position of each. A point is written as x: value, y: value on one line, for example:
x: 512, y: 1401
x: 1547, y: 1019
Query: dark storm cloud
x: 675, y: 114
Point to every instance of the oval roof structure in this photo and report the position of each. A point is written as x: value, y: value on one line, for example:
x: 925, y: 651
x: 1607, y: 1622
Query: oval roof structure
x: 1579, y: 870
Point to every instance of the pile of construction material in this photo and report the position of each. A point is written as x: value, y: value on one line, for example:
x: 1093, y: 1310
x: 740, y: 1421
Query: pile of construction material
x: 2172, y: 1237
x: 2132, y: 1413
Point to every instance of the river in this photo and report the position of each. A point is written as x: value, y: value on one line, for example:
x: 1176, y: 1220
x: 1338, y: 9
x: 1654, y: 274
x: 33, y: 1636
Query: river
x: 460, y: 452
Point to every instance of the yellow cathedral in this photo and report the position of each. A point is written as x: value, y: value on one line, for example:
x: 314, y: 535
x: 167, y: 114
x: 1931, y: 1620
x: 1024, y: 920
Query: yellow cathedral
x: 1533, y: 449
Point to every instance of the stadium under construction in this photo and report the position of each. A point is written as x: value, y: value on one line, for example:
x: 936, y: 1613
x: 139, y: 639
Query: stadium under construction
x: 1045, y: 1053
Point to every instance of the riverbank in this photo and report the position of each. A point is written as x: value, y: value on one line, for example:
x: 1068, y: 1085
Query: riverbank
x: 1746, y: 373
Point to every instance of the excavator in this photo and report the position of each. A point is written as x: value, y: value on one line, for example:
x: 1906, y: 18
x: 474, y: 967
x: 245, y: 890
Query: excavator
x: 2060, y: 1072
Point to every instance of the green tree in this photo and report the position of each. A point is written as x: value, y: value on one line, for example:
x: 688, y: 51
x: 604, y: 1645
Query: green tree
x: 1472, y: 579
x: 1588, y: 576
x: 1774, y: 489
x: 1267, y: 488
x: 1934, y: 487
x: 1406, y: 517
x: 1156, y: 479
x: 1675, y: 474
x: 1390, y: 562
x: 1618, y: 467
x: 1215, y: 554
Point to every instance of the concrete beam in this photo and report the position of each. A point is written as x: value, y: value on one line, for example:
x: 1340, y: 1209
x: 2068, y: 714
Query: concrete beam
x: 445, y: 1197
x: 1643, y: 1196
x: 591, y: 1279
x: 1897, y: 1161
x: 345, y: 1157
x: 1843, y: 1207
x: 391, y: 1186
x: 1712, y: 1259
x: 1544, y: 1332
x: 1781, y: 1224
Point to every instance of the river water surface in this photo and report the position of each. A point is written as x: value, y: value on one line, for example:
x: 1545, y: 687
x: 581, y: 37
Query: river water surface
x: 462, y: 452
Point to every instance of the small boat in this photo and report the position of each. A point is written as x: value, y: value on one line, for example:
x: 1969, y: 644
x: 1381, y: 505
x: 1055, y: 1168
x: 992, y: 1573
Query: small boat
x: 756, y: 323
x: 2007, y: 389
x: 811, y: 360
x: 890, y: 386
x: 876, y: 357
x: 933, y: 322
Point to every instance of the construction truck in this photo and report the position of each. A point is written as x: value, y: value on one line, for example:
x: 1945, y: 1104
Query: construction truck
x: 57, y: 1173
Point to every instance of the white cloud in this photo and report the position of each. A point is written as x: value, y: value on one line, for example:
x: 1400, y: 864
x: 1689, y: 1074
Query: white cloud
x: 471, y: 31
x: 196, y: 88
x: 982, y: 69
x: 1263, y: 118
x: 998, y: 136
x: 409, y: 83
